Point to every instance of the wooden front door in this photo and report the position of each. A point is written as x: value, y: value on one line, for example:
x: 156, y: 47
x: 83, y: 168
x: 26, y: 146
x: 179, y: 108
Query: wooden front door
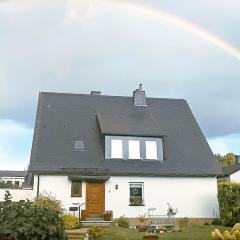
x: 95, y: 199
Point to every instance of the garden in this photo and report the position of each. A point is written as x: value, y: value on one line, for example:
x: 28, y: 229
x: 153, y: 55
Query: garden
x: 45, y: 219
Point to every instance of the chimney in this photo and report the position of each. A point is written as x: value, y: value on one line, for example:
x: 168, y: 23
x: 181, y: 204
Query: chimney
x: 95, y: 92
x: 139, y: 97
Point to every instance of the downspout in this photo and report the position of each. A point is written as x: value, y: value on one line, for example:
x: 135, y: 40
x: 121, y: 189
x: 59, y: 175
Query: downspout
x: 38, y: 180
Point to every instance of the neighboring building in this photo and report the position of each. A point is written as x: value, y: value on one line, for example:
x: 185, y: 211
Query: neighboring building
x: 232, y: 172
x: 15, y: 178
x: 124, y: 154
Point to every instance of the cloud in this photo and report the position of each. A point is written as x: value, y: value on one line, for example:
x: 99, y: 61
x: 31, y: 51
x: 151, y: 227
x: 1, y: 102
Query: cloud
x: 225, y: 144
x: 78, y: 46
x: 15, y: 145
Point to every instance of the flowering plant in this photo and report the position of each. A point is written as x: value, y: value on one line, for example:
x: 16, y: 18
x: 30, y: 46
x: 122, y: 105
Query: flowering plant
x: 171, y: 211
x: 108, y: 215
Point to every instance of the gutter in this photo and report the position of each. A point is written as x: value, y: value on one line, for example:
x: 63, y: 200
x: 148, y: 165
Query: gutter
x: 38, y: 181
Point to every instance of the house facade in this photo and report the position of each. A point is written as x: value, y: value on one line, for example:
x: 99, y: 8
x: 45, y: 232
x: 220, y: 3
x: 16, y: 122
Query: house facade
x: 125, y: 154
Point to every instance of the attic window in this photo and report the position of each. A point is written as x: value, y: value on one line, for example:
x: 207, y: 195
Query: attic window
x: 79, y: 146
x: 133, y: 147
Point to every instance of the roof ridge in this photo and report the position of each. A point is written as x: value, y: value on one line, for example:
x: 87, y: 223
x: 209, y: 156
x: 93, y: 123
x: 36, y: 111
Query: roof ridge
x: 103, y: 95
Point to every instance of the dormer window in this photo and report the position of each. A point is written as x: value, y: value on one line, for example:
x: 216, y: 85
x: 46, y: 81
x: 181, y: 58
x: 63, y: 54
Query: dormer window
x: 126, y: 147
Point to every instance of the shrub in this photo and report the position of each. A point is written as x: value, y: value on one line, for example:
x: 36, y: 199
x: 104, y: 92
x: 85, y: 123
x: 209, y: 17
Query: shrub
x: 171, y: 211
x: 183, y: 223
x: 27, y: 221
x: 123, y: 222
x: 94, y: 232
x: 216, y: 222
x: 234, y: 234
x: 45, y: 200
x: 229, y: 202
x: 70, y: 222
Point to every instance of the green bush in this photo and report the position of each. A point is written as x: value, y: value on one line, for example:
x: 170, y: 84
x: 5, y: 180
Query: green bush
x: 94, y: 232
x: 45, y: 200
x: 229, y: 202
x: 183, y: 223
x: 70, y: 222
x: 123, y: 222
x: 27, y: 221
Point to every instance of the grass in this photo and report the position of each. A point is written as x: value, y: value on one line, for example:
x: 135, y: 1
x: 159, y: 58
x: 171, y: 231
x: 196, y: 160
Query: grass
x: 195, y: 232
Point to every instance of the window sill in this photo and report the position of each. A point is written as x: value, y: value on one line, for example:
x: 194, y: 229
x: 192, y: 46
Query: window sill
x: 136, y: 205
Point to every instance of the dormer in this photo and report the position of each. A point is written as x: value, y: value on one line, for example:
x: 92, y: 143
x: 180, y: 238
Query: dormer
x: 132, y: 134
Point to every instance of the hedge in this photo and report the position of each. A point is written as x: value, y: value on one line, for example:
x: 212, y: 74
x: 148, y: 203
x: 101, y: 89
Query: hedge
x: 229, y: 202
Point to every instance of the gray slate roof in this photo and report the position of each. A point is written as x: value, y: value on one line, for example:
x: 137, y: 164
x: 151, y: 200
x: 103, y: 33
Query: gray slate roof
x: 10, y: 173
x: 64, y: 118
x: 132, y: 123
x: 227, y: 171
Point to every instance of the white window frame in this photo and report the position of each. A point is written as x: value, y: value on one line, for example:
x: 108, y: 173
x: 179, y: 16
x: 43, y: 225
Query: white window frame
x: 132, y: 184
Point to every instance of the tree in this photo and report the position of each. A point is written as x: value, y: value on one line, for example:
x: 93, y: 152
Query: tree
x: 226, y: 160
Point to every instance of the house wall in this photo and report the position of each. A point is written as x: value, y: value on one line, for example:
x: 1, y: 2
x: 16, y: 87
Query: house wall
x: 195, y: 197
x: 59, y: 187
x: 17, y: 194
x: 235, y: 177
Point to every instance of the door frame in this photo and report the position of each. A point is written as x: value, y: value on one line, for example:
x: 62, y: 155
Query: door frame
x: 103, y: 196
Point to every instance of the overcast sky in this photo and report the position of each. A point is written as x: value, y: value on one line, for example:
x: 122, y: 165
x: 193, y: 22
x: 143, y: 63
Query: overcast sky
x: 83, y: 45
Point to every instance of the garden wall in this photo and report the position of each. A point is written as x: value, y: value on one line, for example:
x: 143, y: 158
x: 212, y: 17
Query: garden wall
x: 17, y: 194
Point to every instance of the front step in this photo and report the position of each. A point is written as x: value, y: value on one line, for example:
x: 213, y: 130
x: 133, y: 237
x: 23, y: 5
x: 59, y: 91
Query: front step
x: 98, y: 223
x: 76, y: 234
x: 94, y: 219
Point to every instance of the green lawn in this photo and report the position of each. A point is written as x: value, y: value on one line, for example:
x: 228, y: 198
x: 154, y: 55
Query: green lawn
x: 196, y: 232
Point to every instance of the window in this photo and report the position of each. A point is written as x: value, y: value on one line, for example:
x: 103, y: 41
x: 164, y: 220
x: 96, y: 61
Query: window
x: 76, y: 189
x: 136, y: 194
x: 151, y: 150
x: 129, y: 147
x: 16, y: 183
x: 79, y: 145
x: 134, y: 149
x: 116, y: 148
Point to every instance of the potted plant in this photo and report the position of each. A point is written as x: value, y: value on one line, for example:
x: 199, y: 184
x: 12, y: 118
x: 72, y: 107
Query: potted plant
x: 107, y: 215
x: 136, y: 201
x: 142, y: 227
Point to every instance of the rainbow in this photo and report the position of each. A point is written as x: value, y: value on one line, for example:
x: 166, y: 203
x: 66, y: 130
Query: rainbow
x: 182, y: 23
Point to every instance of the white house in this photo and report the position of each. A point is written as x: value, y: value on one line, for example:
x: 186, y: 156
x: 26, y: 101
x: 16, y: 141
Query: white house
x: 15, y: 178
x: 232, y: 172
x: 14, y: 184
x: 125, y: 154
